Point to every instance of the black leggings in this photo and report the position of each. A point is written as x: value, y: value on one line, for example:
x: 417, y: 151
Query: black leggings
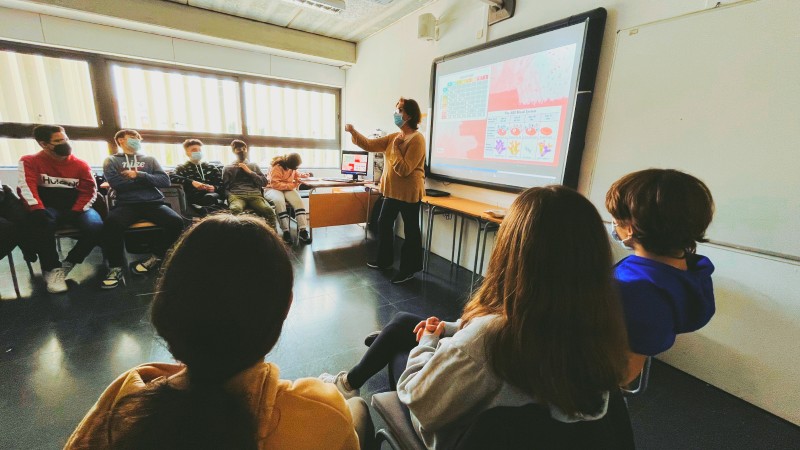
x: 390, y: 348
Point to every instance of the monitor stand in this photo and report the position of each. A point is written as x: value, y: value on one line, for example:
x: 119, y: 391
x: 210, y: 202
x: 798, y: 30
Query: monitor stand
x: 355, y: 179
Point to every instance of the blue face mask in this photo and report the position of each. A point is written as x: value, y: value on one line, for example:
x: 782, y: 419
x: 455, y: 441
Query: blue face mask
x: 135, y: 144
x: 398, y: 119
x: 618, y: 239
x: 197, y: 156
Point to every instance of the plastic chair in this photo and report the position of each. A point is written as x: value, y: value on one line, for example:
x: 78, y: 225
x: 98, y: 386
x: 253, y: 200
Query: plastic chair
x: 639, y: 385
x: 13, y: 271
x: 399, y: 432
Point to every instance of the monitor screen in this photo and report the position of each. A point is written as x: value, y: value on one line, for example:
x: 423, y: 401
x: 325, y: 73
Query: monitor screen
x: 504, y: 113
x: 354, y: 162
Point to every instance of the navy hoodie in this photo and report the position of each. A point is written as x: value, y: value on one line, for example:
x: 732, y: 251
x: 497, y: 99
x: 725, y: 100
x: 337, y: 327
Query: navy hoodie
x: 143, y: 188
x: 661, y: 301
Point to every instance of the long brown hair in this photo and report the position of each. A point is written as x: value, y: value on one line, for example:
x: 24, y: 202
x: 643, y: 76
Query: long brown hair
x: 561, y: 336
x: 220, y: 305
x: 289, y: 161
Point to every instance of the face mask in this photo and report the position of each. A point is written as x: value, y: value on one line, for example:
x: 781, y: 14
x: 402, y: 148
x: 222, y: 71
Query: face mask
x: 63, y: 149
x: 135, y: 144
x: 241, y: 156
x: 197, y: 156
x: 398, y: 119
x: 618, y: 239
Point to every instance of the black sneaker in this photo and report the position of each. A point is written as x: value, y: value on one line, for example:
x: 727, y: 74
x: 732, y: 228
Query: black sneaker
x: 401, y: 277
x: 375, y: 265
x: 287, y: 238
x: 305, y: 238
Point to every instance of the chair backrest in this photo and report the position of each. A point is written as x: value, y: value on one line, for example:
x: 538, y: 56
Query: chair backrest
x: 175, y: 197
x: 531, y: 427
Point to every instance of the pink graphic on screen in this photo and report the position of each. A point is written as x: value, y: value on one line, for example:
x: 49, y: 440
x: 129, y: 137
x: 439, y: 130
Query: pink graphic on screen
x: 354, y: 163
x: 513, y: 111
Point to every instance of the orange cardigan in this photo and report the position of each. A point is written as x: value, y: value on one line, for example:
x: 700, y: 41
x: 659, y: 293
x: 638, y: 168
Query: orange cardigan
x: 404, y: 167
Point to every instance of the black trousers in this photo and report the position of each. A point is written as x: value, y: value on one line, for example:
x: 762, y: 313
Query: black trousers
x: 123, y: 216
x: 390, y: 348
x: 411, y: 252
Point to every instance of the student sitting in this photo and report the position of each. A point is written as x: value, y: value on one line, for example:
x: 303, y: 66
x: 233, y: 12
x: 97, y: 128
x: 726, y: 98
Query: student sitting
x: 136, y: 178
x: 284, y: 179
x: 666, y: 288
x: 244, y: 183
x: 12, y: 225
x: 545, y: 327
x: 58, y: 189
x: 201, y: 181
x: 223, y: 395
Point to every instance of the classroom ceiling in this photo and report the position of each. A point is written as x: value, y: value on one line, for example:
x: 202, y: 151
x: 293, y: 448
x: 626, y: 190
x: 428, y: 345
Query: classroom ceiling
x: 359, y: 20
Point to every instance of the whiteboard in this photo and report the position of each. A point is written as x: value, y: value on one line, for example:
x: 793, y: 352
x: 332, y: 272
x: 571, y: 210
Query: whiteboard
x: 716, y: 94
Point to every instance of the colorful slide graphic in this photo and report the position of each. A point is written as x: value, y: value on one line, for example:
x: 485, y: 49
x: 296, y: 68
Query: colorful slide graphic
x: 512, y: 111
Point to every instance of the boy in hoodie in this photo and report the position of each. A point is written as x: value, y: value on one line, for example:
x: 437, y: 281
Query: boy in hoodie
x: 202, y: 182
x: 244, y: 182
x: 58, y: 189
x: 136, y: 178
x: 665, y: 287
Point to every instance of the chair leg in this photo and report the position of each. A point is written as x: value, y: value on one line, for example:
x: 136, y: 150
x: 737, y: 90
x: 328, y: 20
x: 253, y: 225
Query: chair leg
x: 13, y: 274
x: 384, y: 435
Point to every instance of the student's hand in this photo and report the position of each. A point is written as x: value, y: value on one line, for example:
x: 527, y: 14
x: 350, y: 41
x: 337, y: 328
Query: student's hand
x: 197, y: 185
x: 130, y: 174
x: 244, y: 167
x: 209, y: 188
x: 430, y: 326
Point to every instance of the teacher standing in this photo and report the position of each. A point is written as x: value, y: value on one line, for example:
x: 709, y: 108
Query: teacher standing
x: 402, y: 185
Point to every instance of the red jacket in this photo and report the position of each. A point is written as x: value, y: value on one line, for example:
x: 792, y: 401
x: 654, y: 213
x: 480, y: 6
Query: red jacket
x: 44, y: 181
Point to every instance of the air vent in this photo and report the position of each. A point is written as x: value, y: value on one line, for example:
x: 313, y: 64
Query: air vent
x: 326, y: 6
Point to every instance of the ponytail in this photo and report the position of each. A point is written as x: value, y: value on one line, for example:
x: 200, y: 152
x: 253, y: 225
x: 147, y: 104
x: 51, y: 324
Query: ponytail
x: 164, y: 417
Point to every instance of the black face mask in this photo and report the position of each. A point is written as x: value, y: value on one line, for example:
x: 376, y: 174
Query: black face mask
x: 63, y: 149
x: 241, y: 156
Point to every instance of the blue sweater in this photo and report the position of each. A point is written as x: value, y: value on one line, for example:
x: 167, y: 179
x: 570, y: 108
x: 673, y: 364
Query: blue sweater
x: 661, y: 301
x: 143, y: 188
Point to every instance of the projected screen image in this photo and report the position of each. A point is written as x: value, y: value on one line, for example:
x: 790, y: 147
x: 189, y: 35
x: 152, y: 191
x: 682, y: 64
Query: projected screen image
x: 503, y: 115
x: 354, y: 163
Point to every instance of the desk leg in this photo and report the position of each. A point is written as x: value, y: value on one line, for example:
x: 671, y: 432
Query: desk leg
x: 460, y: 241
x: 477, y: 249
x: 453, y: 247
x: 489, y: 228
x: 366, y: 222
x: 429, y: 238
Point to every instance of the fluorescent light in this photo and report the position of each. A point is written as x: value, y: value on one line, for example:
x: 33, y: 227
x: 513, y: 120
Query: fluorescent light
x: 327, y: 6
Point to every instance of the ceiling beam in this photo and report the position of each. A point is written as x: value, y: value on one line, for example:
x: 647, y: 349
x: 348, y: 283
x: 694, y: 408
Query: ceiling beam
x: 147, y: 15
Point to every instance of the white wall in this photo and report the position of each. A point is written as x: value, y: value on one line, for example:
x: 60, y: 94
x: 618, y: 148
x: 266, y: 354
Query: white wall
x: 750, y: 347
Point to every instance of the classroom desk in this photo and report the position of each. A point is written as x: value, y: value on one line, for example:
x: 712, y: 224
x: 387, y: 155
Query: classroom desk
x: 345, y: 203
x: 465, y: 209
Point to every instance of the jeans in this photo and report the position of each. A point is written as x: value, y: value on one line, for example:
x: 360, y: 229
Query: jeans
x: 42, y: 235
x: 123, y: 216
x: 411, y: 252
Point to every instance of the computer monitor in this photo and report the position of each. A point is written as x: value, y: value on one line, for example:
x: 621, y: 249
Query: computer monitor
x: 355, y: 163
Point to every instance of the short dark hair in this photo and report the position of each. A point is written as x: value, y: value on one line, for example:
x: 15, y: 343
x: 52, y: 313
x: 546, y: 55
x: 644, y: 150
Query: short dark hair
x: 411, y: 107
x: 43, y: 133
x: 236, y: 143
x: 190, y: 142
x: 668, y: 210
x: 126, y: 132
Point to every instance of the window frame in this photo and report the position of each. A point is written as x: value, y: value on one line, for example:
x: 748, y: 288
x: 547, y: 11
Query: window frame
x: 106, y: 103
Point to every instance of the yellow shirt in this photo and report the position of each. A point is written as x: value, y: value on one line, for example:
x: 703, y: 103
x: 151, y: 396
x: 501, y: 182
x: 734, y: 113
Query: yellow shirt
x: 404, y: 167
x: 306, y: 414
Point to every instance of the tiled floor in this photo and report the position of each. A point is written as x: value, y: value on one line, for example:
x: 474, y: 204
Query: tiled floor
x: 58, y: 352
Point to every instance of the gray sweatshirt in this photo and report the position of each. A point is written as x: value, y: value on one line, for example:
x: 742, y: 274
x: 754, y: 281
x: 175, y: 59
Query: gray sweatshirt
x: 237, y: 181
x: 142, y: 189
x: 448, y: 381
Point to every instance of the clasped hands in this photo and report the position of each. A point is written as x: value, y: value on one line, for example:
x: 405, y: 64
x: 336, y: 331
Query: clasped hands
x: 202, y: 187
x: 432, y: 325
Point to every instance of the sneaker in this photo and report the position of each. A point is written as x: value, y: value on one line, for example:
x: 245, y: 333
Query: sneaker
x: 146, y: 266
x: 114, y: 278
x: 67, y: 266
x: 338, y: 380
x: 401, y: 277
x: 305, y: 238
x: 370, y: 338
x: 55, y: 280
x: 375, y: 265
x: 287, y: 238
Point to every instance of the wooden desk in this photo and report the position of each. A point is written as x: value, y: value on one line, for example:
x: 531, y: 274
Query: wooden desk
x: 466, y: 209
x: 342, y: 204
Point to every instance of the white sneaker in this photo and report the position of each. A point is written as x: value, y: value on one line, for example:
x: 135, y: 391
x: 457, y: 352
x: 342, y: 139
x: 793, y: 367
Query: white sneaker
x: 339, y: 382
x: 114, y: 277
x: 146, y: 266
x: 55, y: 280
x: 67, y: 266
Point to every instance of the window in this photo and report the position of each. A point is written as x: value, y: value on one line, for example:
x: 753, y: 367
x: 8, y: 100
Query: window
x: 289, y: 112
x: 11, y: 150
x: 41, y: 89
x: 151, y: 99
